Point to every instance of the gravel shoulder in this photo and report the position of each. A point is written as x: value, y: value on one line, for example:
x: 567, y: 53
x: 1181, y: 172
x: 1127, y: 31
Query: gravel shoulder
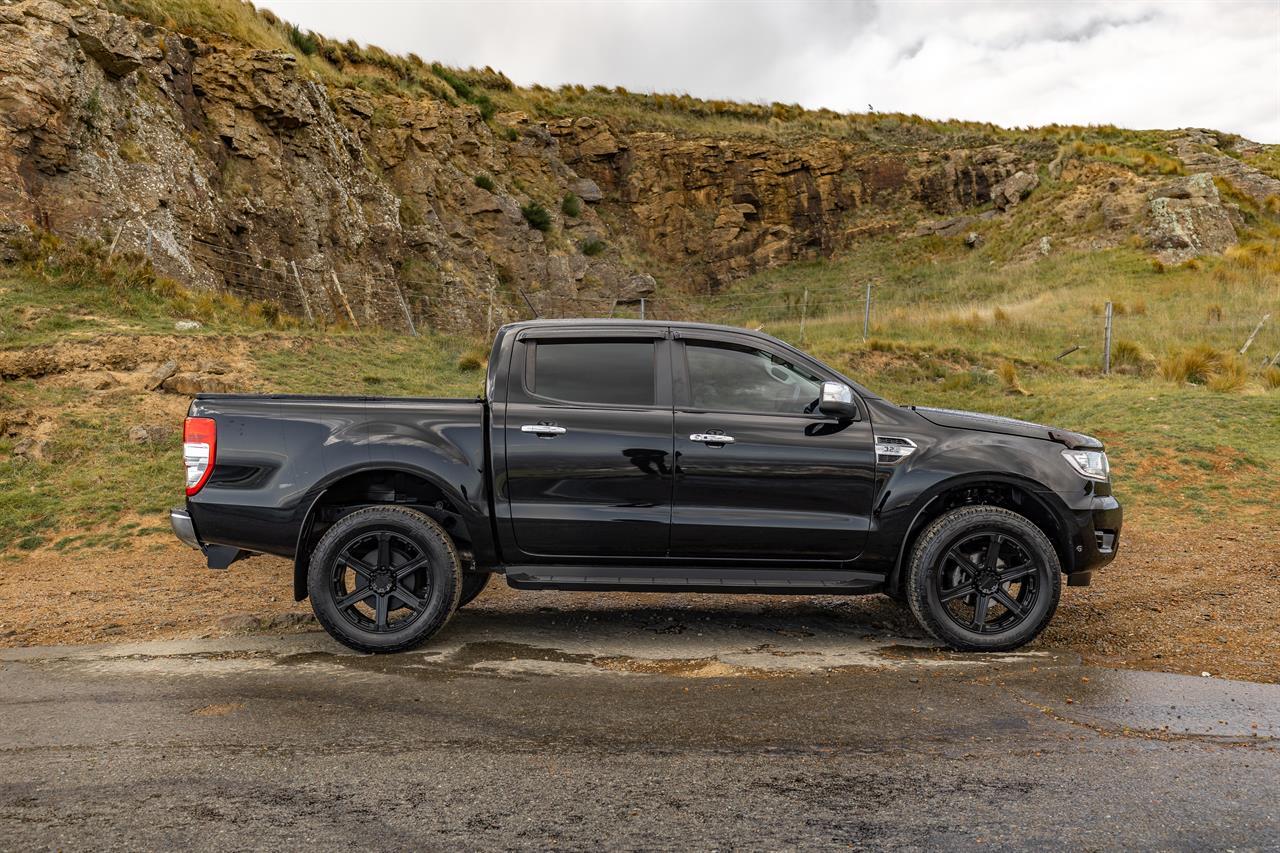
x: 1179, y: 599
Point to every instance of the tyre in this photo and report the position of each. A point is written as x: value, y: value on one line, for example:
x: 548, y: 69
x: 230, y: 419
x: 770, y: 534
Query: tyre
x: 983, y: 579
x: 384, y: 579
x: 473, y: 583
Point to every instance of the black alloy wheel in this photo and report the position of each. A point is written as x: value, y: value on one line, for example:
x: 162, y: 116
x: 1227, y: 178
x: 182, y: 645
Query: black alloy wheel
x: 987, y: 582
x: 983, y: 578
x: 384, y: 579
x: 379, y: 581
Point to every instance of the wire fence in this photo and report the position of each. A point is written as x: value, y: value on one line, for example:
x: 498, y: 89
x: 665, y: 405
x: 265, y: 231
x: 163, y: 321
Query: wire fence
x: 317, y: 292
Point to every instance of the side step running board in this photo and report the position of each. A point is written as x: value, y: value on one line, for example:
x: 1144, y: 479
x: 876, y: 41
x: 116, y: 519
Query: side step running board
x: 676, y: 579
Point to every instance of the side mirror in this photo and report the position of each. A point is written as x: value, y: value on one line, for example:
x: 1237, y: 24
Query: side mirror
x: 837, y: 400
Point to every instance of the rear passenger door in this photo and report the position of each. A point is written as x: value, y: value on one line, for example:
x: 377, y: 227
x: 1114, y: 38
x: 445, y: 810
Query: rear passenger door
x: 588, y: 444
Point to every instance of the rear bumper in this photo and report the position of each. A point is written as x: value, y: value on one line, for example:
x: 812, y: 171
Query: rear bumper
x: 217, y: 556
x: 184, y: 528
x: 1095, y: 537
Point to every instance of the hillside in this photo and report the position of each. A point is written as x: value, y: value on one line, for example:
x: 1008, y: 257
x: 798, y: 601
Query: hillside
x: 349, y: 185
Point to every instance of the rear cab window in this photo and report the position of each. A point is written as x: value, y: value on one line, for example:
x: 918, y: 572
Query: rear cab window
x: 605, y: 373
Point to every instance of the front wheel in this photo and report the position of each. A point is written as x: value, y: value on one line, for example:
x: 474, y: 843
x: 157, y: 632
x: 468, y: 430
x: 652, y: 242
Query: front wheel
x: 983, y: 579
x: 384, y: 579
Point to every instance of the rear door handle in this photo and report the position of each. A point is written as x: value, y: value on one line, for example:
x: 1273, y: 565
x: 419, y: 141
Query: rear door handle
x: 711, y: 438
x: 544, y: 430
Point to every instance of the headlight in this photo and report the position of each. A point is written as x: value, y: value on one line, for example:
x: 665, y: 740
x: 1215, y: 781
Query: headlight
x: 1091, y: 464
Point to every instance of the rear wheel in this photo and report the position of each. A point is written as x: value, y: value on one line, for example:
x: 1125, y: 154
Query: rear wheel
x: 984, y: 578
x: 384, y: 579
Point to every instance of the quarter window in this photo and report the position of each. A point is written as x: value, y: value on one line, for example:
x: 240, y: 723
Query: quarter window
x: 603, y: 372
x: 745, y: 379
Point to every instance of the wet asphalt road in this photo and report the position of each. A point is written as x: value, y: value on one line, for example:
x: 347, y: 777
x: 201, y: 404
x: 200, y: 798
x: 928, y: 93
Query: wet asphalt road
x: 536, y: 731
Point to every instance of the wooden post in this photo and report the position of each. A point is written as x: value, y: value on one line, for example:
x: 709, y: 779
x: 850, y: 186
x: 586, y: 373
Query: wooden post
x: 866, y: 317
x: 345, y: 304
x: 489, y: 324
x: 404, y: 306
x: 111, y: 252
x: 1256, y: 329
x: 302, y: 292
x: 804, y: 311
x: 525, y: 297
x: 1106, y: 345
x: 641, y: 307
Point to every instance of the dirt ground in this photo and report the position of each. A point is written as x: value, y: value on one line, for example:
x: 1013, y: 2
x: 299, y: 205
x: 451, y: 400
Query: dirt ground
x: 1178, y: 599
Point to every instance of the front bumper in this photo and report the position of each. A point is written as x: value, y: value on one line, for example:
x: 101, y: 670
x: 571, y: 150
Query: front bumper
x: 1095, y: 539
x: 184, y: 528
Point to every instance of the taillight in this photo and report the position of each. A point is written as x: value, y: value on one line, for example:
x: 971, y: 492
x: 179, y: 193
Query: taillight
x: 199, y: 441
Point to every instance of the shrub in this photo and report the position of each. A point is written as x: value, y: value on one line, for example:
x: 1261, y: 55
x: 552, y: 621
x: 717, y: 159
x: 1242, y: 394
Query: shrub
x: 537, y: 216
x: 1008, y: 376
x: 1230, y: 375
x: 485, y: 182
x: 132, y: 152
x: 305, y: 42
x: 999, y: 316
x: 1129, y: 357
x: 1214, y: 313
x: 571, y: 205
x: 1271, y: 378
x: 511, y: 134
x: 473, y: 358
x: 1194, y: 364
x: 593, y: 247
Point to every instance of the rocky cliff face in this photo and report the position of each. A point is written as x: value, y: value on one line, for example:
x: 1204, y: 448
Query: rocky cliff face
x: 235, y: 168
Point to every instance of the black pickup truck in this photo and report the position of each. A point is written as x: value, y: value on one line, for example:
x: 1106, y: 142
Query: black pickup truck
x: 648, y: 456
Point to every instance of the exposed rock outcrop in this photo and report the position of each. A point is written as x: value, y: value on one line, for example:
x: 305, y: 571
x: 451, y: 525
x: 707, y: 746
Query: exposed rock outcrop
x: 236, y: 168
x: 1187, y: 219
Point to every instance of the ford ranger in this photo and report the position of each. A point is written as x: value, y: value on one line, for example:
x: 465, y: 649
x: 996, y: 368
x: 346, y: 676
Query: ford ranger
x: 648, y: 456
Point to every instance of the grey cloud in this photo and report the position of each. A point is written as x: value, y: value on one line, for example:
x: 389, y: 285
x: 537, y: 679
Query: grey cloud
x: 1141, y: 63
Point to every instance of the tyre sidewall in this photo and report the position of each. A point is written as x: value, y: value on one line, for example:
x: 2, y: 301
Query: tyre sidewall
x: 945, y: 532
x: 443, y: 575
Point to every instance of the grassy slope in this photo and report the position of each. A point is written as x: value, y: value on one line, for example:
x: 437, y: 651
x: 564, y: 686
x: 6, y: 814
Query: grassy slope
x: 1179, y: 450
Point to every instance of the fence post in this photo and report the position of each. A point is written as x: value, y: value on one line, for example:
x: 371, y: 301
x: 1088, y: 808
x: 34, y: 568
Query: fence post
x: 525, y: 297
x: 641, y: 307
x: 1256, y: 329
x: 804, y: 312
x: 302, y: 292
x: 345, y: 304
x: 489, y: 323
x: 1106, y: 345
x: 404, y: 306
x: 866, y: 317
x: 111, y: 252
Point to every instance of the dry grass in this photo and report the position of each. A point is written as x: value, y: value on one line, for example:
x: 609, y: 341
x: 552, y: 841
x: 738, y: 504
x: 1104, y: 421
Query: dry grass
x: 1129, y: 356
x: 1230, y: 375
x: 1194, y: 364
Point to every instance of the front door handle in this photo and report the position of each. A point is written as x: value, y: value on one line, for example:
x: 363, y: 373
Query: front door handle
x: 544, y: 430
x: 711, y: 438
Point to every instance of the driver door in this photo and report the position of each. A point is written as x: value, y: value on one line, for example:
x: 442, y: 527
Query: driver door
x: 760, y: 474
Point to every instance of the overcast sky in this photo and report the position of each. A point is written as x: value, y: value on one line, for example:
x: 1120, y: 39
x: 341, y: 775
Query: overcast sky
x: 1136, y: 64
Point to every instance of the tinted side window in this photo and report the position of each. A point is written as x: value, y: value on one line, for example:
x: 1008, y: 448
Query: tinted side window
x: 613, y: 372
x: 743, y: 379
